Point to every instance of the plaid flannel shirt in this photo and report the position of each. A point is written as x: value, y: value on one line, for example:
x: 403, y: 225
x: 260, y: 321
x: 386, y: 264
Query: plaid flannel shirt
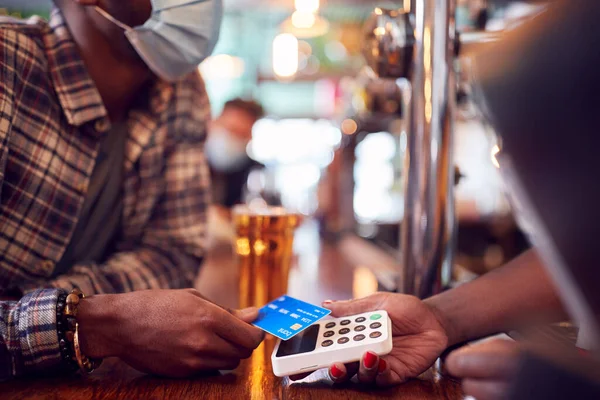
x: 51, y: 120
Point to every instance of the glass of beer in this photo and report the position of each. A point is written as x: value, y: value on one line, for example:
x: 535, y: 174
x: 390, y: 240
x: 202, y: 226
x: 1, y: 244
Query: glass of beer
x: 263, y: 244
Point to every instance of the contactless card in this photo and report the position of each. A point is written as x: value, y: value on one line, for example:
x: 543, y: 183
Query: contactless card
x: 286, y: 316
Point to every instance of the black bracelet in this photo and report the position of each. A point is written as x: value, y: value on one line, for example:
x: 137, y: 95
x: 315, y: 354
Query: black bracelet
x: 65, y: 345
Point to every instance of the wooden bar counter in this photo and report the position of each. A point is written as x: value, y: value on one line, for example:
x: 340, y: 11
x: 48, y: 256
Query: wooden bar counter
x: 320, y: 272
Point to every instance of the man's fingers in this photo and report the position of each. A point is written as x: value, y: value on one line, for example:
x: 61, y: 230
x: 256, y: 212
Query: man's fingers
x: 238, y: 332
x: 247, y: 315
x: 496, y: 360
x: 369, y: 365
x: 197, y: 294
x: 244, y: 313
x: 486, y: 389
x: 351, y: 307
x: 221, y: 348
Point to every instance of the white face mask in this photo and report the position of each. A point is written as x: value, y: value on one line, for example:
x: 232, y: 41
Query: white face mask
x: 224, y: 151
x: 179, y: 35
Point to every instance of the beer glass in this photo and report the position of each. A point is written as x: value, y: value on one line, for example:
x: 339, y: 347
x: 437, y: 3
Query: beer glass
x: 263, y: 244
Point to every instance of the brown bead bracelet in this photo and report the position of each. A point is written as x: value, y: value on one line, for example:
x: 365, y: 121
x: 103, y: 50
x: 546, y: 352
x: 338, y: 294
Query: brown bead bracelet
x: 64, y: 343
x: 67, y: 323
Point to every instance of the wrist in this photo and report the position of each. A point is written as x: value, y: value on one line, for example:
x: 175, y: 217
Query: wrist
x: 439, y: 307
x: 98, y: 318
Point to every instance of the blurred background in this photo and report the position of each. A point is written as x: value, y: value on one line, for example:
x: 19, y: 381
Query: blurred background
x: 331, y: 142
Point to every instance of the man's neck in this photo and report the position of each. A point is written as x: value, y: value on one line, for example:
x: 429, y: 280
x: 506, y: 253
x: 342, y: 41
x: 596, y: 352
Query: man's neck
x: 118, y: 78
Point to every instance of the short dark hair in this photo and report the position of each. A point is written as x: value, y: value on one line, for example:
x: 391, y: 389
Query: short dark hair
x: 251, y: 107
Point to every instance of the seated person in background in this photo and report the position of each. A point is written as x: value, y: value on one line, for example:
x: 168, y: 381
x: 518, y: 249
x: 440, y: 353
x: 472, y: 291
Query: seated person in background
x: 228, y: 137
x: 103, y: 186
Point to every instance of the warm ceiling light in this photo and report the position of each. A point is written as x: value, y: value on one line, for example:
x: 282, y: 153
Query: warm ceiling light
x: 285, y: 55
x: 307, y: 6
x: 349, y: 127
x: 318, y: 27
x: 303, y: 20
x: 379, y: 31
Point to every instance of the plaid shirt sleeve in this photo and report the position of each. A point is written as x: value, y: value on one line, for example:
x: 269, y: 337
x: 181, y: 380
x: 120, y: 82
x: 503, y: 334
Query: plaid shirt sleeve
x: 28, y: 338
x: 171, y: 248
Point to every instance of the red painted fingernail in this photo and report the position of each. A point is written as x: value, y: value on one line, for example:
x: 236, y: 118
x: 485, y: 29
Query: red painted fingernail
x: 336, y: 372
x: 382, y: 366
x: 328, y: 302
x: 370, y: 359
x: 583, y: 352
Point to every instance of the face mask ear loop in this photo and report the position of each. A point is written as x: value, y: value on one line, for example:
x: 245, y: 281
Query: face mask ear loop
x: 112, y: 19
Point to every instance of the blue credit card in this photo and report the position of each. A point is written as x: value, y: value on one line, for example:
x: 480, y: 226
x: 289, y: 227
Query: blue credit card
x: 286, y: 317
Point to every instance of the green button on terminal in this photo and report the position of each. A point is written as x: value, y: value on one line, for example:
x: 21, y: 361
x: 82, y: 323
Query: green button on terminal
x: 375, y: 316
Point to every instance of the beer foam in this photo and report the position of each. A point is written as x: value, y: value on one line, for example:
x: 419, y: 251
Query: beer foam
x: 270, y: 211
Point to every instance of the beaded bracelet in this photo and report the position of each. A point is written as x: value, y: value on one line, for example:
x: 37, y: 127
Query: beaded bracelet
x: 68, y: 324
x: 64, y: 343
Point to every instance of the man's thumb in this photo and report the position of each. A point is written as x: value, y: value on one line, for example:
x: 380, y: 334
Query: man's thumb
x: 247, y: 314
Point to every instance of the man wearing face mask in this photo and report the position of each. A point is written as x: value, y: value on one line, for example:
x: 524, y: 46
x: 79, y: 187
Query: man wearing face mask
x: 229, y: 135
x: 103, y: 187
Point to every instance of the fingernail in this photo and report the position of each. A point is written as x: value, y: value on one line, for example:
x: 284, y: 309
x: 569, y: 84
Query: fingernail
x: 583, y: 352
x: 336, y: 372
x: 382, y: 366
x: 328, y: 303
x: 370, y: 360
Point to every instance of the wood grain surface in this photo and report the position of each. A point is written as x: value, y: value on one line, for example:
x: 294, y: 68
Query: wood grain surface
x: 320, y: 272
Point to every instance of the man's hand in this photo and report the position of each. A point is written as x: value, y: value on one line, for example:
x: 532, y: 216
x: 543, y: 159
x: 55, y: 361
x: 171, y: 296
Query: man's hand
x: 417, y: 335
x: 167, y: 332
x: 486, y: 369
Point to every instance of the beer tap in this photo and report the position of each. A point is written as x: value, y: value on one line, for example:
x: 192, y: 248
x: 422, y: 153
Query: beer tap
x: 417, y: 48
